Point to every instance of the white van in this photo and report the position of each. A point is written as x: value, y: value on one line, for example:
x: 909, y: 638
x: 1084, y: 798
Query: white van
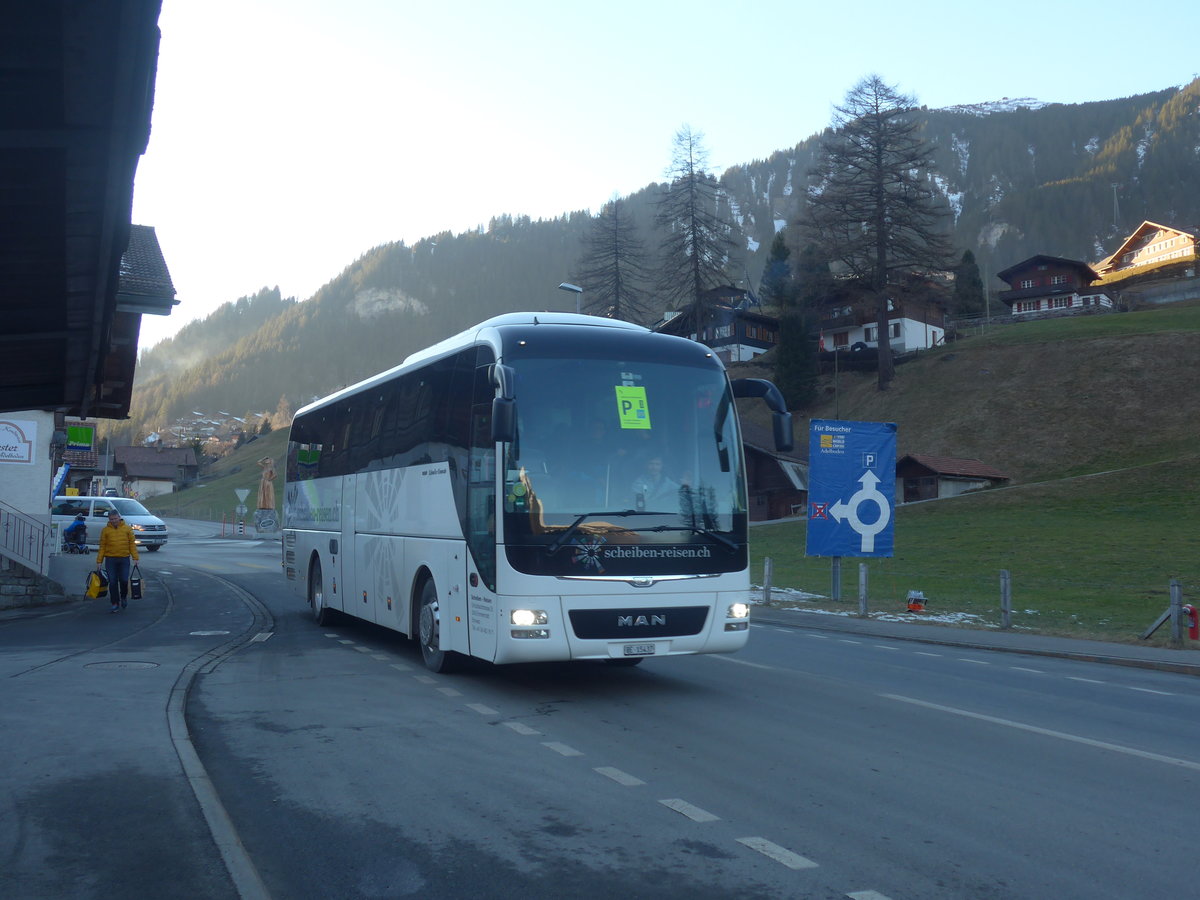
x: 149, y: 530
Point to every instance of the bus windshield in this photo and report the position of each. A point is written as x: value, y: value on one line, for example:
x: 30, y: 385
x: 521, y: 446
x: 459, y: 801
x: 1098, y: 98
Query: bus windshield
x: 625, y: 452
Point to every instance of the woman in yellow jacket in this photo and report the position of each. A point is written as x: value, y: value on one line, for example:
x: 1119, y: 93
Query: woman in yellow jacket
x: 117, y: 547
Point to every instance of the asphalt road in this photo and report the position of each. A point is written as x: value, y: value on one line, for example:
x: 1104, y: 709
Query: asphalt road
x: 819, y: 762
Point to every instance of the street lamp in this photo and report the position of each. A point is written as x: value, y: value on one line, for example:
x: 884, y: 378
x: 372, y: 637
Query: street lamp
x: 574, y: 289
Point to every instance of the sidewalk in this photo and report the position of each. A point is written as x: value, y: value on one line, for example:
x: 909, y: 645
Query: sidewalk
x: 1185, y: 662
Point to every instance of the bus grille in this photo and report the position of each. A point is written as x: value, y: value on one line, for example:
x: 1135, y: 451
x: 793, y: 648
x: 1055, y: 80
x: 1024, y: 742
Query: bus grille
x: 635, y: 624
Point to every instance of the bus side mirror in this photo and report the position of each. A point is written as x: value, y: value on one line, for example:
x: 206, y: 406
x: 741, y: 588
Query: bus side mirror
x: 504, y: 420
x: 781, y: 420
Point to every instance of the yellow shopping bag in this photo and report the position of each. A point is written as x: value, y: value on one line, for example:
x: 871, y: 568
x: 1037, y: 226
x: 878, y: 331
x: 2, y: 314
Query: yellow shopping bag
x: 97, y: 584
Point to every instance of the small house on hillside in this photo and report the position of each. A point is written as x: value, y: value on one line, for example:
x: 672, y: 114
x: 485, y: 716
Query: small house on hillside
x: 913, y: 324
x: 777, y: 482
x: 151, y: 471
x: 934, y: 477
x: 1150, y: 244
x: 729, y: 325
x: 1044, y: 286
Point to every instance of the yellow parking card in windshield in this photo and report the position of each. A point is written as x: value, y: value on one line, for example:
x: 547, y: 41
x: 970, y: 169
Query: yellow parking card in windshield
x: 632, y: 409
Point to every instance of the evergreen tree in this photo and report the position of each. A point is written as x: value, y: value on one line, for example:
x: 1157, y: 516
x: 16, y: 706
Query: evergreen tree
x: 613, y: 268
x: 796, y: 361
x: 696, y: 241
x: 871, y: 204
x: 968, y: 287
x: 777, y: 280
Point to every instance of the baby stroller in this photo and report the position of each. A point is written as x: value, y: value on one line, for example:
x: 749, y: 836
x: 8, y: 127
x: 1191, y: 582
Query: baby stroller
x: 75, y: 536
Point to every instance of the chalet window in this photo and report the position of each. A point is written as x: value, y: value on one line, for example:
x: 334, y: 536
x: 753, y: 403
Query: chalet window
x: 841, y: 339
x: 1026, y: 283
x: 1058, y: 279
x: 724, y: 331
x: 868, y: 333
x: 895, y: 329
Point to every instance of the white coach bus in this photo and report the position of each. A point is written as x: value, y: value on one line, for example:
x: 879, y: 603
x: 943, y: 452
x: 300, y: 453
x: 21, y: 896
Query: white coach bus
x: 542, y: 486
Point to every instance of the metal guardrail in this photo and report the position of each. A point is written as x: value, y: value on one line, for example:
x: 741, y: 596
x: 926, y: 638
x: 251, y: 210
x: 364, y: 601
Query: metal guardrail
x: 24, y: 539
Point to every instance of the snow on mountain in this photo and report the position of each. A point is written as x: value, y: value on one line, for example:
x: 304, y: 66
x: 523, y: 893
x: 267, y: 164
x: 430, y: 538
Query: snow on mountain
x: 1005, y: 104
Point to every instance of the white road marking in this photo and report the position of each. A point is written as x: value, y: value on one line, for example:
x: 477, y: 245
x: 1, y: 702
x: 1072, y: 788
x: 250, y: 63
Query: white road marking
x: 400, y: 667
x: 885, y: 647
x: 482, y: 710
x: 1031, y: 671
x: 1046, y: 732
x: 868, y: 895
x: 1150, y: 691
x: 425, y: 679
x: 364, y: 649
x: 978, y: 662
x: 777, y: 853
x: 561, y: 749
x: 923, y: 653
x: 449, y: 692
x: 261, y: 636
x: 1087, y: 680
x: 331, y: 635
x: 382, y: 657
x: 521, y: 728
x: 344, y: 641
x: 619, y: 777
x: 848, y: 641
x: 695, y: 813
x: 743, y: 662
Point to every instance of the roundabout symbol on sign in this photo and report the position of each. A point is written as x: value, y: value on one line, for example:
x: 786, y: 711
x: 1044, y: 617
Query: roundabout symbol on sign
x: 848, y: 512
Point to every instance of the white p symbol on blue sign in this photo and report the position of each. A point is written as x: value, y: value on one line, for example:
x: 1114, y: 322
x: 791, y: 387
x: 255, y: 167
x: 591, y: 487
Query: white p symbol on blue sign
x: 868, y: 460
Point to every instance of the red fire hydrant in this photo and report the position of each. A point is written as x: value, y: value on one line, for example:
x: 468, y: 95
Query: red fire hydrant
x: 1193, y: 625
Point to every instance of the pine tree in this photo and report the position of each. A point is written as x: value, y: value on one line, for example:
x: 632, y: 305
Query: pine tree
x: 871, y: 205
x: 696, y: 241
x: 968, y: 287
x: 613, y: 269
x: 796, y: 363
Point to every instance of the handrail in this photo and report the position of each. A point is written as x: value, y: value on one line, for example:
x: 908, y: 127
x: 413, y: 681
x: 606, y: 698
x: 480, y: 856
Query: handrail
x: 24, y: 539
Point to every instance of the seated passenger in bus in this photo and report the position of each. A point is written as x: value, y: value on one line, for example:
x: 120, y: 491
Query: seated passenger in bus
x: 653, y: 488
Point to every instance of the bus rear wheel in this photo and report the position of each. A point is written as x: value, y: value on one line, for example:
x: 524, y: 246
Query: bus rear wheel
x: 321, y: 613
x: 429, y: 633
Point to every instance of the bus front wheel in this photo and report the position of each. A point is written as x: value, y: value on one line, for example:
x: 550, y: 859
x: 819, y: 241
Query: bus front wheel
x: 321, y: 613
x: 429, y: 632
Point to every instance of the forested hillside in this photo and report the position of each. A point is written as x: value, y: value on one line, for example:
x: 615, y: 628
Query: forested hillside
x: 1016, y: 182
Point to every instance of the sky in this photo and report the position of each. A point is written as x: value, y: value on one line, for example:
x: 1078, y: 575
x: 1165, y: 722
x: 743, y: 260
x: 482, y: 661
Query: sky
x: 289, y: 137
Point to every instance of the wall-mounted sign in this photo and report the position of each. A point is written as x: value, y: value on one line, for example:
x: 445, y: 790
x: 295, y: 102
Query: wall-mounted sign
x: 17, y: 439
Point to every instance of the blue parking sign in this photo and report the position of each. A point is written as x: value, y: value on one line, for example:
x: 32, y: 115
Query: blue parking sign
x: 851, y: 488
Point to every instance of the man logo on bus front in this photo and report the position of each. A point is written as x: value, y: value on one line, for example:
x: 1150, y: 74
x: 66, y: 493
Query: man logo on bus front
x: 587, y: 553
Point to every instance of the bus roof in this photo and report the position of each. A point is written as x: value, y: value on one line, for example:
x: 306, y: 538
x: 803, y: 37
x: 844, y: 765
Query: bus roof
x: 469, y: 336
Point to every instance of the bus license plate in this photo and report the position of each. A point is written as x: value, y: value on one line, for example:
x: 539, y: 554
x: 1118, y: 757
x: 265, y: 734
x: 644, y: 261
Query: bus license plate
x: 639, y: 649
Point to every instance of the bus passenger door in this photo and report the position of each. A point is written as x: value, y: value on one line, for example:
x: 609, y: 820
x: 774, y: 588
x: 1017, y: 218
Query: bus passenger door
x: 479, y: 527
x: 345, y: 568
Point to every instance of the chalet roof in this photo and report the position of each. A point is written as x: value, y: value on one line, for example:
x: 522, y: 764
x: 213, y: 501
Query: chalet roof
x: 1042, y: 259
x: 763, y: 439
x: 145, y: 285
x: 141, y: 456
x: 951, y: 465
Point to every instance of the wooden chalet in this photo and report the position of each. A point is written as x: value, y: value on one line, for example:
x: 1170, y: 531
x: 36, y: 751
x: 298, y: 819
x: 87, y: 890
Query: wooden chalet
x: 1149, y: 245
x: 1044, y: 286
x: 777, y: 483
x: 934, y: 477
x: 730, y: 323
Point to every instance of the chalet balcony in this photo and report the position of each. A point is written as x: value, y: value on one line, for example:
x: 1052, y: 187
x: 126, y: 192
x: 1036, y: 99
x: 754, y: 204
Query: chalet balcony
x: 1045, y: 290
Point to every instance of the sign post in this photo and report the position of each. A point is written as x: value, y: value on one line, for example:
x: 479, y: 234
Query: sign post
x: 852, y: 491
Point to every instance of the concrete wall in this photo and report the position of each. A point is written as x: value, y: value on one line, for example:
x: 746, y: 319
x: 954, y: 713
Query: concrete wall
x: 25, y: 471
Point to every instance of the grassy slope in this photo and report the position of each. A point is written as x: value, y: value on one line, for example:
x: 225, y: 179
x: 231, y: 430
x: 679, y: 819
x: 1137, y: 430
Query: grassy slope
x: 1054, y: 404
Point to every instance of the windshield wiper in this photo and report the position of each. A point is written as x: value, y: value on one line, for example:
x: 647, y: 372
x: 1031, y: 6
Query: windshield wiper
x: 695, y: 529
x: 574, y: 526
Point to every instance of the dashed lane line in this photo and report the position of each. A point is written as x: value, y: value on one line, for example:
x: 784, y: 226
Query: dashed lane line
x: 619, y: 777
x: 561, y: 749
x: 777, y: 853
x: 695, y: 813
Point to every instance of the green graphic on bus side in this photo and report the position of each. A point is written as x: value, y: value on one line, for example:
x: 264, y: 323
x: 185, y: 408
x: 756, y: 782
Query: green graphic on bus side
x: 632, y: 410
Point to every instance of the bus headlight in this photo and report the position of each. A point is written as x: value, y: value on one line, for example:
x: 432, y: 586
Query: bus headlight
x: 527, y: 617
x: 738, y: 611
